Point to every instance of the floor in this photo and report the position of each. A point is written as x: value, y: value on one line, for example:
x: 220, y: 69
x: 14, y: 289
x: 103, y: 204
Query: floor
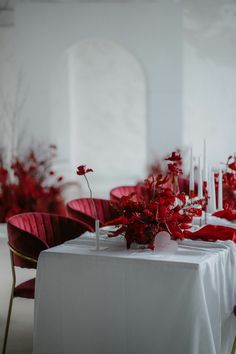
x: 20, y: 339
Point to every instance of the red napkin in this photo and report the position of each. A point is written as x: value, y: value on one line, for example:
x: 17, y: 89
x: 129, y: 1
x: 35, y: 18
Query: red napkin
x: 228, y: 214
x: 213, y: 233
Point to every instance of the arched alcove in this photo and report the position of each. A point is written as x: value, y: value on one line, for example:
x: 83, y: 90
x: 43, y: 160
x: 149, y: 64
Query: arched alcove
x: 100, y: 115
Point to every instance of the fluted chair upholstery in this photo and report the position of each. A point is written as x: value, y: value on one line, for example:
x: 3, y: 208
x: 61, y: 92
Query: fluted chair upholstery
x: 83, y: 210
x: 120, y: 191
x: 28, y: 235
x: 139, y: 190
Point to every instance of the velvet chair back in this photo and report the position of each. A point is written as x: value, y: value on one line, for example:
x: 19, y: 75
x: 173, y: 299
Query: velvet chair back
x: 28, y: 235
x: 31, y: 233
x: 83, y: 209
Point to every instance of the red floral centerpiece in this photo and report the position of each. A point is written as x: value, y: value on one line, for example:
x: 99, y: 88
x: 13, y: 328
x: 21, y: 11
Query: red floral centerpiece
x: 162, y: 208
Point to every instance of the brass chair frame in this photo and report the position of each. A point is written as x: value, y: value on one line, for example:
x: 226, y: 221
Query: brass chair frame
x: 234, y: 347
x: 29, y: 259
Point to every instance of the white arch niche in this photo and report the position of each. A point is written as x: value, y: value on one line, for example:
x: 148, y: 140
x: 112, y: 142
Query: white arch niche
x: 107, y: 110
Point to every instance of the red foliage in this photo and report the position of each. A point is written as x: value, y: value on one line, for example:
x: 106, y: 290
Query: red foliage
x: 229, y: 184
x: 30, y: 185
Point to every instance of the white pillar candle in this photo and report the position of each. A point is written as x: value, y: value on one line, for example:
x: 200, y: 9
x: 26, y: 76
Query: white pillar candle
x: 204, y: 161
x: 191, y: 177
x: 220, y: 191
x: 97, y: 234
x: 200, y: 194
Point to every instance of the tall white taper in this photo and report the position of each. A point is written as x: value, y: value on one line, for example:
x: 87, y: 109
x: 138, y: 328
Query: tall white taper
x: 191, y: 175
x: 220, y: 191
x: 205, y: 170
x: 200, y: 194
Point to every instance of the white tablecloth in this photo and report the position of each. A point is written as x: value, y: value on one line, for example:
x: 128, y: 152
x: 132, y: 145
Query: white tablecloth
x: 116, y: 301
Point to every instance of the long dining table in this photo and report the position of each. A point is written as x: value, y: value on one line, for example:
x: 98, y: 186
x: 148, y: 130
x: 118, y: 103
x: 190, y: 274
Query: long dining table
x: 119, y: 301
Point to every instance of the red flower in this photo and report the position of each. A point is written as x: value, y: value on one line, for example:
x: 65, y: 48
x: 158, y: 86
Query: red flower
x: 59, y: 179
x: 174, y: 169
x: 232, y: 165
x: 174, y: 157
x: 82, y: 170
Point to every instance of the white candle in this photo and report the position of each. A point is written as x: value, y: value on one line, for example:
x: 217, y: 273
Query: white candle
x: 191, y: 177
x: 97, y: 234
x: 211, y: 207
x: 200, y: 194
x: 204, y: 161
x: 220, y: 191
x: 209, y: 204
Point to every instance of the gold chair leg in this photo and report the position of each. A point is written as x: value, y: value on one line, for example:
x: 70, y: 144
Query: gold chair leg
x: 234, y: 347
x: 8, y: 321
x: 10, y: 304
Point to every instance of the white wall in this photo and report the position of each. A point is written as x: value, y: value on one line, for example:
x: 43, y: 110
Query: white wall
x: 210, y: 77
x: 151, y: 32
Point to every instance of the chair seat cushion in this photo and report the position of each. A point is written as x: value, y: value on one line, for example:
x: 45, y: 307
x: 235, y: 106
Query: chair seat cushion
x: 25, y: 289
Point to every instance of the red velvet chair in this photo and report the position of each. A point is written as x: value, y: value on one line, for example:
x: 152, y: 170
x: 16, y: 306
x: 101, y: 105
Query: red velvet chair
x: 122, y: 191
x: 118, y: 192
x: 28, y: 235
x: 83, y: 209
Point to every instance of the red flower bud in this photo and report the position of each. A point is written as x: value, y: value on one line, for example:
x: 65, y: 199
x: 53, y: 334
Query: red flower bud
x: 82, y: 170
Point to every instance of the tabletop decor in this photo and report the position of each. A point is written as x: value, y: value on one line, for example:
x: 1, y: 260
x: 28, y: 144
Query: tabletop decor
x: 160, y: 209
x: 30, y: 184
x: 213, y: 233
x: 82, y: 170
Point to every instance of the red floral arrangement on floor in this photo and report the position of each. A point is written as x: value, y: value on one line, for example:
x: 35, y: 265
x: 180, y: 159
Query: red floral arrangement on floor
x: 229, y: 184
x: 160, y: 209
x: 30, y: 184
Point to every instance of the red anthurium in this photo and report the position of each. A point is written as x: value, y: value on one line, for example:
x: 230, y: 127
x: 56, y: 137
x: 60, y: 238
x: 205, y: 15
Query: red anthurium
x: 232, y: 165
x: 82, y: 170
